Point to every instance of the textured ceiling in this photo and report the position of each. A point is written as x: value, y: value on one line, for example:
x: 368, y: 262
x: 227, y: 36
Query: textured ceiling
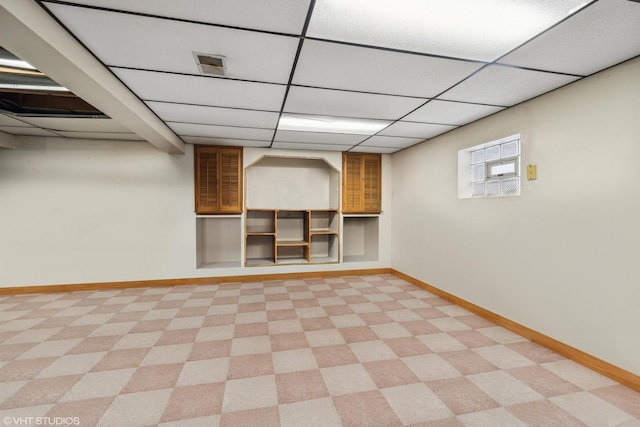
x: 425, y: 66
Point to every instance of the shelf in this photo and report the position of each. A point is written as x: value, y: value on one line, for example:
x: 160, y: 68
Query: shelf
x: 260, y: 250
x: 289, y: 261
x: 259, y: 261
x: 218, y: 242
x: 324, y: 221
x: 291, y: 243
x: 322, y: 231
x: 260, y: 222
x: 360, y: 238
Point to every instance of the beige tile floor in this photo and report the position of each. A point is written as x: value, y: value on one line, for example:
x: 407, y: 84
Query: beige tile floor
x: 349, y: 351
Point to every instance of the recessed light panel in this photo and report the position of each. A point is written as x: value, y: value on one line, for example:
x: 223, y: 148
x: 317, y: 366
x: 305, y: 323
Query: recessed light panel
x: 473, y: 29
x: 298, y: 122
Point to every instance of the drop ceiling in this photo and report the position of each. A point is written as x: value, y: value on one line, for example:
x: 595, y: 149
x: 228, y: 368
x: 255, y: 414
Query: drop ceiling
x: 424, y: 66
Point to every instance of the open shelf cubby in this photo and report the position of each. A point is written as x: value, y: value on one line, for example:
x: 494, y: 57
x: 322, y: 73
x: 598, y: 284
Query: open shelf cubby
x: 218, y: 242
x: 360, y: 238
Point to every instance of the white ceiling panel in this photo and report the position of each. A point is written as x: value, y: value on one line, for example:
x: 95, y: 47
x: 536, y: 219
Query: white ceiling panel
x: 340, y: 66
x: 133, y: 41
x: 305, y: 100
x: 285, y: 16
x: 369, y: 149
x: 598, y: 37
x: 6, y: 120
x: 451, y: 113
x: 390, y: 141
x: 303, y: 146
x: 499, y: 85
x: 102, y: 135
x: 319, y: 138
x: 188, y: 113
x: 78, y: 124
x: 225, y: 141
x: 29, y: 131
x: 213, y: 91
x: 190, y: 129
x: 415, y: 130
x: 482, y: 30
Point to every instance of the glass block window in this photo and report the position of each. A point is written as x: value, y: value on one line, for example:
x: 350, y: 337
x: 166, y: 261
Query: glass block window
x: 494, y: 168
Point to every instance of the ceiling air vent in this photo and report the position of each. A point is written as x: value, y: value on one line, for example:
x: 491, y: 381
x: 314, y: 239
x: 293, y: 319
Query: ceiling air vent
x: 211, y: 64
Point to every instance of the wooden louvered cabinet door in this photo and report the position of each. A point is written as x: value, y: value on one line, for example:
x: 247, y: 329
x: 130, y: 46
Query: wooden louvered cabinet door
x: 218, y: 179
x: 361, y: 183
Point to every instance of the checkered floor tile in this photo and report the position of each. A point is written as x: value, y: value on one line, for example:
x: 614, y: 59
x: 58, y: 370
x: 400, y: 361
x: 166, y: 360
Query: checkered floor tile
x: 348, y: 351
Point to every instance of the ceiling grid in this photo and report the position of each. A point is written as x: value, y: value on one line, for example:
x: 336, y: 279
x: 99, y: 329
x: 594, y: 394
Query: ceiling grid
x: 406, y: 71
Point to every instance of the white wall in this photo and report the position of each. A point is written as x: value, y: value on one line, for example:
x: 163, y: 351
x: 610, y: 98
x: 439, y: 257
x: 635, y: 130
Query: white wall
x: 81, y: 211
x: 562, y: 258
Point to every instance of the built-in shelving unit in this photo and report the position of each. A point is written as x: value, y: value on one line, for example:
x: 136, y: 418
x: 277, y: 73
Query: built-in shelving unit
x: 279, y: 236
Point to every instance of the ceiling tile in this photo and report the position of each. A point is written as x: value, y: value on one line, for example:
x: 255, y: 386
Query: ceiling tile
x: 101, y: 135
x: 501, y: 85
x: 6, y: 120
x: 601, y: 35
x: 341, y: 66
x: 451, y: 113
x: 77, y: 124
x: 213, y: 115
x: 368, y: 149
x: 415, y: 130
x: 390, y: 141
x: 482, y: 30
x: 133, y: 41
x: 30, y: 131
x: 319, y: 138
x: 212, y: 91
x: 285, y: 16
x: 305, y: 100
x: 225, y: 141
x: 190, y: 129
x: 304, y: 146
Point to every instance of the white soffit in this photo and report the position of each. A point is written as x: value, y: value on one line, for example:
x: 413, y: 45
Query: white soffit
x: 602, y: 35
x: 226, y: 141
x: 451, y: 113
x: 151, y: 86
x: 99, y: 135
x: 348, y: 104
x: 415, y: 130
x: 507, y: 86
x: 78, y: 124
x: 29, y: 131
x: 6, y: 120
x: 188, y: 113
x: 285, y: 16
x: 191, y: 129
x: 303, y: 146
x: 319, y: 138
x: 480, y: 30
x: 390, y: 141
x: 338, y: 66
x: 132, y: 41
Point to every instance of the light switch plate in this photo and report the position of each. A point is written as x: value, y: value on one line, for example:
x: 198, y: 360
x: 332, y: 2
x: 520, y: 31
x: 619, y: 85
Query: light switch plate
x: 532, y: 172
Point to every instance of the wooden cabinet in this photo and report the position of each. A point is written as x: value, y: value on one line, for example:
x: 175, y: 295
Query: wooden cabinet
x: 218, y: 179
x: 361, y: 183
x: 291, y: 237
